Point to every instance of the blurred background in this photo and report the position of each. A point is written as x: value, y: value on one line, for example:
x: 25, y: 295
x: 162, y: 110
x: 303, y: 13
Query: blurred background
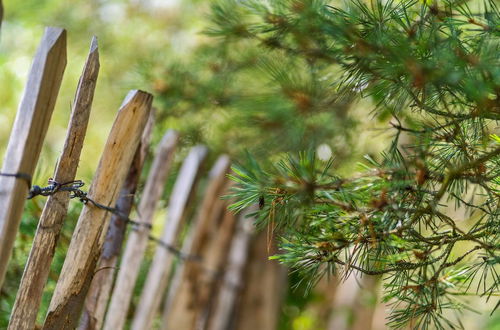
x: 230, y: 95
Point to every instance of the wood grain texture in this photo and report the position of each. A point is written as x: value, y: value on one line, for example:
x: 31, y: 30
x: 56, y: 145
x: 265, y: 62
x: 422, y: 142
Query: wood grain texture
x: 37, y: 268
x: 28, y: 134
x: 232, y: 282
x: 188, y: 303
x: 1, y: 13
x: 102, y: 283
x: 157, y: 278
x: 138, y: 239
x: 353, y: 306
x: 86, y: 244
x: 263, y: 290
x: 215, y: 259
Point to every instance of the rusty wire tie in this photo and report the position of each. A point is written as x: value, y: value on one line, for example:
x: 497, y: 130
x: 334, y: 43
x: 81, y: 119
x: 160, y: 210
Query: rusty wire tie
x: 75, y: 192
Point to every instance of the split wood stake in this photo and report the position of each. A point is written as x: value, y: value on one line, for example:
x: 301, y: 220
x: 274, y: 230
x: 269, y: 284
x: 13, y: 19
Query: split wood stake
x: 102, y: 283
x: 1, y: 13
x: 138, y: 239
x: 264, y: 281
x: 49, y: 226
x: 352, y: 305
x: 208, y: 214
x: 28, y: 134
x: 157, y: 278
x: 88, y: 237
x: 233, y: 277
x: 187, y: 303
x: 215, y: 257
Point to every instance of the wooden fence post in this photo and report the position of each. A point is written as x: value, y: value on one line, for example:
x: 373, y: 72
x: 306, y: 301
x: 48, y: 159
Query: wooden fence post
x: 138, y: 239
x: 232, y: 282
x: 37, y: 268
x: 213, y: 214
x: 214, y: 260
x: 88, y: 237
x: 354, y: 303
x: 1, y: 14
x: 28, y: 134
x: 100, y: 288
x: 263, y: 290
x: 157, y: 278
x: 185, y: 307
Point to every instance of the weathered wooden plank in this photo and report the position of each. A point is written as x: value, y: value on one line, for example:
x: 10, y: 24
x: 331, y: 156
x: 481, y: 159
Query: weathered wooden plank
x: 88, y: 237
x: 214, y: 260
x: 100, y: 288
x: 138, y: 239
x: 1, y: 13
x: 186, y: 304
x: 37, y: 268
x: 353, y: 306
x: 157, y: 278
x: 264, y: 282
x: 28, y: 134
x: 232, y: 282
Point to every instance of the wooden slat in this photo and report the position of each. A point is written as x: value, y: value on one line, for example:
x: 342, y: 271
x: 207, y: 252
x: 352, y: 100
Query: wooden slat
x: 190, y: 304
x: 230, y: 288
x: 138, y: 239
x: 100, y: 288
x: 185, y: 306
x: 157, y: 278
x: 37, y: 268
x: 88, y: 237
x: 264, y: 282
x: 28, y: 134
x: 1, y: 13
x: 353, y: 306
x: 214, y: 263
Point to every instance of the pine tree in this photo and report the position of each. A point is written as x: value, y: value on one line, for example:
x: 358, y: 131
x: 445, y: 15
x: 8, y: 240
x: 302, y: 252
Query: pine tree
x: 433, y: 67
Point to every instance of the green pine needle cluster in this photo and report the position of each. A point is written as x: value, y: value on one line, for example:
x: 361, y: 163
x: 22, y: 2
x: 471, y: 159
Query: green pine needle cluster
x: 433, y: 67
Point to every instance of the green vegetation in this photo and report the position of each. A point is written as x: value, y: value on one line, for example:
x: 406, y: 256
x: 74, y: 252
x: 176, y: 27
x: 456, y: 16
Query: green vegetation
x: 434, y: 69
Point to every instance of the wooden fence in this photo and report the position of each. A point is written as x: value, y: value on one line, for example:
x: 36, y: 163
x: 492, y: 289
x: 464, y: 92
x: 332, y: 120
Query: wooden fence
x: 195, y: 281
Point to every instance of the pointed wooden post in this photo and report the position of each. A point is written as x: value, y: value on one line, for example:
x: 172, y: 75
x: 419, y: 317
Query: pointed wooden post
x: 100, y: 288
x: 138, y: 239
x: 157, y: 278
x: 1, y: 13
x: 28, y: 134
x: 37, y: 268
x: 232, y: 282
x: 88, y: 237
x: 186, y: 302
